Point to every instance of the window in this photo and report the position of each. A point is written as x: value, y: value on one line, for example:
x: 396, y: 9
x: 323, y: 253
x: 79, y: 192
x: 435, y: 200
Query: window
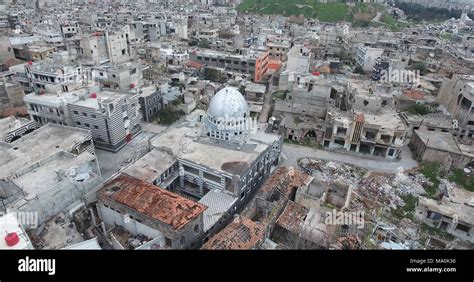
x: 93, y: 116
x: 84, y: 114
x: 96, y: 127
x: 167, y: 242
x: 78, y: 123
x: 75, y: 112
x: 196, y: 228
x: 182, y: 240
x: 86, y: 124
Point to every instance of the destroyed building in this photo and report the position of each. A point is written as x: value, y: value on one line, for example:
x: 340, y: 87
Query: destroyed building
x: 440, y: 147
x: 381, y: 135
x: 142, y: 208
x: 453, y: 212
x: 62, y: 157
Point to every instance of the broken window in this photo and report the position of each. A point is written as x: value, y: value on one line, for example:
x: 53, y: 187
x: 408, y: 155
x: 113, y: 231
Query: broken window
x: 463, y: 227
x: 167, y: 242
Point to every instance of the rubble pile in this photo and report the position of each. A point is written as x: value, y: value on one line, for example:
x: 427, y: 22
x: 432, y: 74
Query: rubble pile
x: 349, y: 242
x: 329, y: 171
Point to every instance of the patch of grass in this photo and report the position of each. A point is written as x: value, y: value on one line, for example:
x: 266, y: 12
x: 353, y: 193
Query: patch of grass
x: 446, y: 35
x: 305, y: 142
x: 280, y: 95
x: 408, y: 210
x: 431, y: 170
x: 168, y: 116
x: 460, y: 178
x: 325, y: 12
x: 390, y: 21
x: 436, y: 232
x: 419, y: 109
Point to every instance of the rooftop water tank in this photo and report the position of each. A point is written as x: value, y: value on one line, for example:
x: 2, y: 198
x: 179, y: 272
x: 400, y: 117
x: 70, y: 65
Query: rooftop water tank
x: 12, y: 239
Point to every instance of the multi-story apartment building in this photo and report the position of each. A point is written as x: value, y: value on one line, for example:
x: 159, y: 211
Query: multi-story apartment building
x: 113, y: 118
x: 248, y: 61
x: 457, y: 95
x: 104, y: 47
x: 381, y: 135
x: 124, y: 77
x: 366, y: 57
x: 48, y: 75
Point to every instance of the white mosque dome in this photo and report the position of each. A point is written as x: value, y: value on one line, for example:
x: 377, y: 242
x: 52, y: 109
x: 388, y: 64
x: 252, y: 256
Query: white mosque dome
x: 228, y: 115
x: 228, y: 102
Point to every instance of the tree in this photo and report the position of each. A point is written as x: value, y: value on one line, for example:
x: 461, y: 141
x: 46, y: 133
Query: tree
x: 359, y: 69
x: 204, y: 43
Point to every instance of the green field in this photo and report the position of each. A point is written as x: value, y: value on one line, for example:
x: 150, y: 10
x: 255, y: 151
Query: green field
x: 360, y: 14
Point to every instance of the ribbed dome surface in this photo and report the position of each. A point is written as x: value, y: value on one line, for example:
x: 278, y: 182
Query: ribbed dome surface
x: 228, y: 102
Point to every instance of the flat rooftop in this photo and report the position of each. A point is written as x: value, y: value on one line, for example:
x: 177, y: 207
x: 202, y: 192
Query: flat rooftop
x: 389, y: 120
x: 9, y: 224
x: 48, y: 172
x: 152, y: 201
x: 459, y: 202
x: 38, y: 145
x: 149, y: 167
x: 10, y: 124
x: 188, y: 142
x: 106, y: 97
x: 439, y: 140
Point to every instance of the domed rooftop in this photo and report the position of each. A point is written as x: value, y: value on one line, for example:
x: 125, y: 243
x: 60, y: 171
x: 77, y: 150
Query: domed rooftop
x: 228, y: 102
x: 228, y: 115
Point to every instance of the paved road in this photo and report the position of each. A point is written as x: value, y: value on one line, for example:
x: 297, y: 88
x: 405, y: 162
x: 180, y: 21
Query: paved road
x: 377, y: 17
x: 291, y: 154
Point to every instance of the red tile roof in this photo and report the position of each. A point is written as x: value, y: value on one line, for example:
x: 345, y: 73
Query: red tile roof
x: 152, y: 201
x: 240, y: 234
x: 293, y: 217
x: 417, y: 95
x: 193, y: 64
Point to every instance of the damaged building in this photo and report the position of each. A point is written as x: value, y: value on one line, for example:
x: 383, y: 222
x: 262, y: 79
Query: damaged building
x: 62, y: 157
x: 172, y: 221
x: 453, y: 212
x: 381, y: 135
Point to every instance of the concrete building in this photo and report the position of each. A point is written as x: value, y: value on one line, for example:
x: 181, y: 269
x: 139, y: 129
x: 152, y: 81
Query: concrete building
x: 62, y: 157
x: 47, y: 76
x: 125, y: 77
x: 12, y: 128
x: 367, y: 56
x: 151, y: 102
x: 248, y: 62
x: 103, y: 47
x: 113, y: 118
x: 11, y: 93
x: 278, y: 50
x: 440, y: 147
x: 453, y: 213
x: 457, y: 95
x: 380, y: 134
x: 222, y: 184
x: 298, y: 59
x: 51, y: 108
x: 142, y: 208
x: 9, y: 224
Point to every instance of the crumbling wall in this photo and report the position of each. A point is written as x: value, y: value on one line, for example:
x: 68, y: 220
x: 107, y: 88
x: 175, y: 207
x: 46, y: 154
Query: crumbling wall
x: 55, y: 200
